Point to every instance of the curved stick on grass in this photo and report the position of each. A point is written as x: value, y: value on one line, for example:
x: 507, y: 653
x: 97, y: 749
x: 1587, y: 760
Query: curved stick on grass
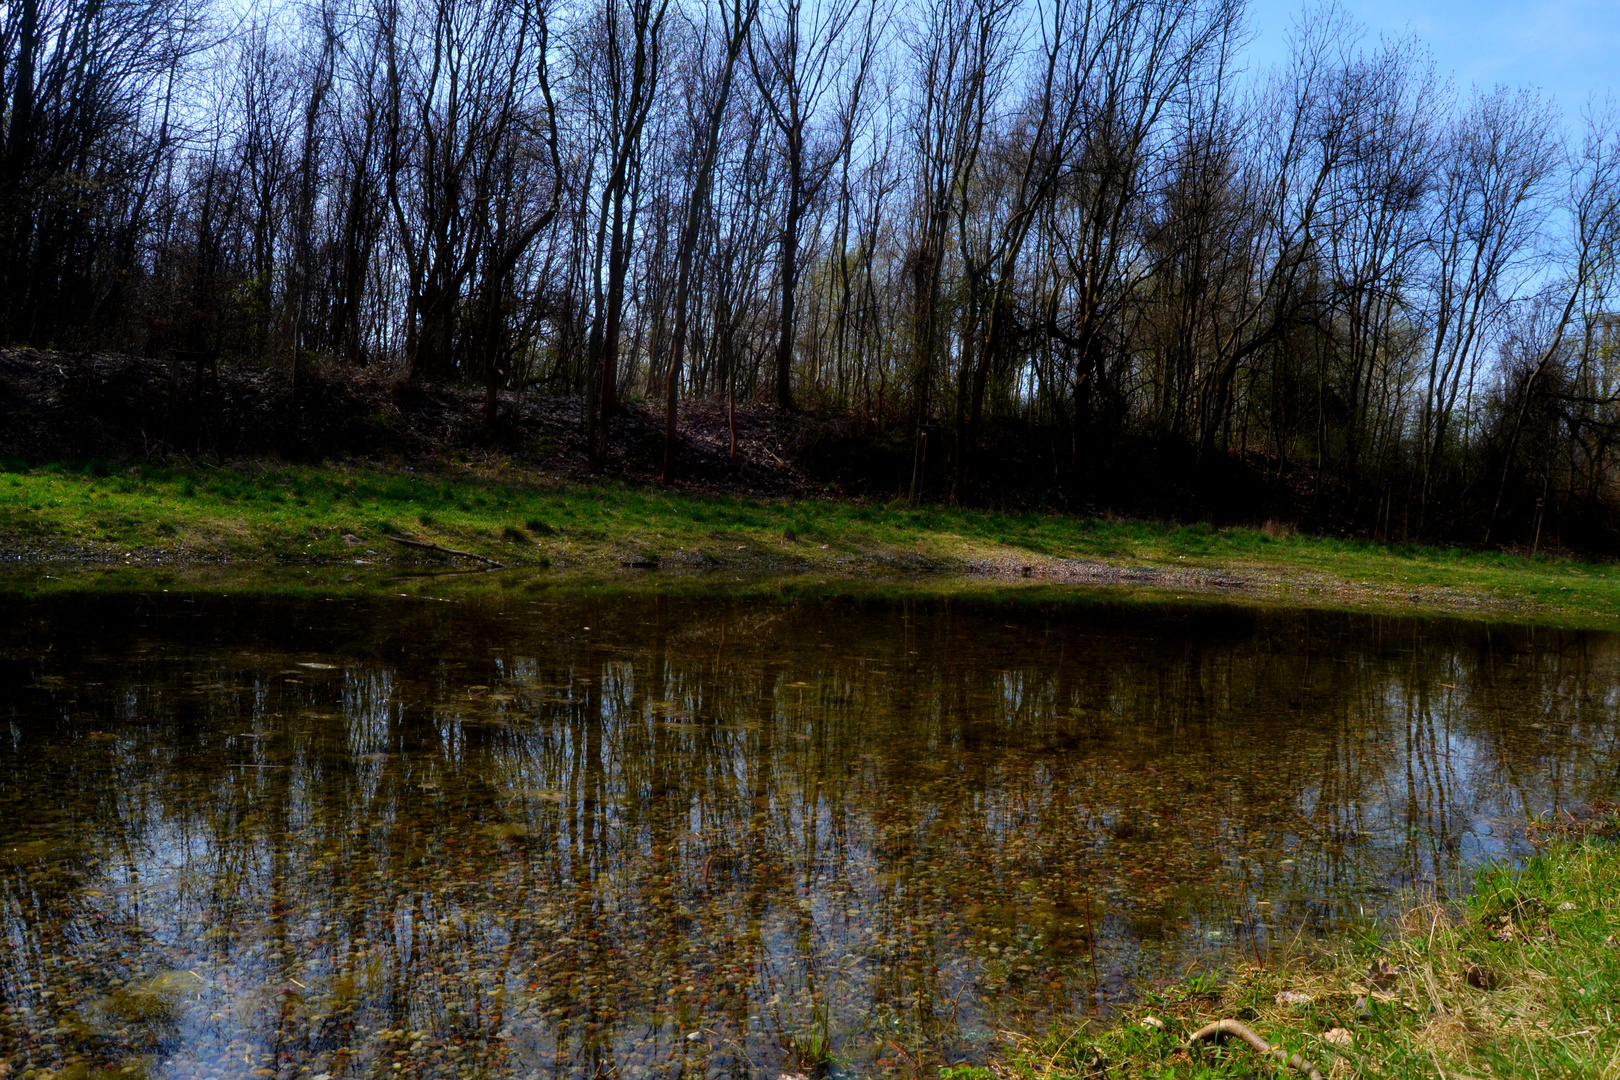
x: 1220, y: 1029
x: 444, y: 550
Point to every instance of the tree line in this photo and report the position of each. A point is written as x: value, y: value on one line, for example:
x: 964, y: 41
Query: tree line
x: 1084, y: 229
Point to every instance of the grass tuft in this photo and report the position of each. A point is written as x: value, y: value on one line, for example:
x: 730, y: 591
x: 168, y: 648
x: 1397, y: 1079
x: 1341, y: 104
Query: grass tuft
x: 1523, y: 980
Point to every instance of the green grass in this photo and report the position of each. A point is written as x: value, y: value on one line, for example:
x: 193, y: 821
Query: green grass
x: 1524, y: 981
x: 271, y: 514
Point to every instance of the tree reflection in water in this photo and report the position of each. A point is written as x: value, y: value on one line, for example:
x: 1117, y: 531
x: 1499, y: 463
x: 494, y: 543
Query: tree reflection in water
x: 708, y: 836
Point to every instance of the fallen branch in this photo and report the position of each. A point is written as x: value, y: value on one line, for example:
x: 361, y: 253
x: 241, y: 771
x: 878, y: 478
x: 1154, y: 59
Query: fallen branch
x: 425, y: 546
x: 1220, y: 1029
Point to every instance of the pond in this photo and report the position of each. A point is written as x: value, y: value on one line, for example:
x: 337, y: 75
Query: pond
x: 528, y: 831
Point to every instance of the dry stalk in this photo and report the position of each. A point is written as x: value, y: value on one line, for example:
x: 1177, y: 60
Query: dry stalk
x: 1222, y: 1029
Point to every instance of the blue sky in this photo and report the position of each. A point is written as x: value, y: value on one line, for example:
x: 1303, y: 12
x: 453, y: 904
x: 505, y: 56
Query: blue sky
x: 1570, y: 49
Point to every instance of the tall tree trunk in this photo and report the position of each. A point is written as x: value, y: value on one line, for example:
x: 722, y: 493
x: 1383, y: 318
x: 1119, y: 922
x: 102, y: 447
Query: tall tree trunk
x: 790, y: 290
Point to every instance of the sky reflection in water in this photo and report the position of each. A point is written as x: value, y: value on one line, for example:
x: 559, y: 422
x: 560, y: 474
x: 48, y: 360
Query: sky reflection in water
x: 570, y: 835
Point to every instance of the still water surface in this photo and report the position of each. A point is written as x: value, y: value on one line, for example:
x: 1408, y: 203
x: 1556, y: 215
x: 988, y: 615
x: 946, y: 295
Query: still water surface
x: 537, y: 833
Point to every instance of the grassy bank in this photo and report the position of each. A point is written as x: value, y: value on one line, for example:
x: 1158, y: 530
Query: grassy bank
x: 345, y: 515
x: 1524, y: 981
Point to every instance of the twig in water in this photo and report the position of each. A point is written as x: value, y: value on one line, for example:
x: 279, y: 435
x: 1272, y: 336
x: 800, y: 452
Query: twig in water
x: 909, y: 1059
x: 425, y: 546
x: 1091, y: 943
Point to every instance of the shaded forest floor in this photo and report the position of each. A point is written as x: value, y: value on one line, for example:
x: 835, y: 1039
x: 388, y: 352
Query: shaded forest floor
x: 343, y: 516
x: 58, y: 407
x: 102, y: 407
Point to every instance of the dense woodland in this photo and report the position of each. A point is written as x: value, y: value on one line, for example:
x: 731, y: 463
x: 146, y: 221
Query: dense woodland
x: 1061, y: 247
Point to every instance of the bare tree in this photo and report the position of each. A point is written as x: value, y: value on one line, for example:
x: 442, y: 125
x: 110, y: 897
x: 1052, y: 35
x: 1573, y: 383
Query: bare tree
x: 1497, y: 165
x: 798, y: 59
x: 961, y: 55
x: 1594, y: 209
x: 734, y: 23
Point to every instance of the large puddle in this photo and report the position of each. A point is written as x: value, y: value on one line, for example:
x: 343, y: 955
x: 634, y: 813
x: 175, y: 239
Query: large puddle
x: 542, y: 833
